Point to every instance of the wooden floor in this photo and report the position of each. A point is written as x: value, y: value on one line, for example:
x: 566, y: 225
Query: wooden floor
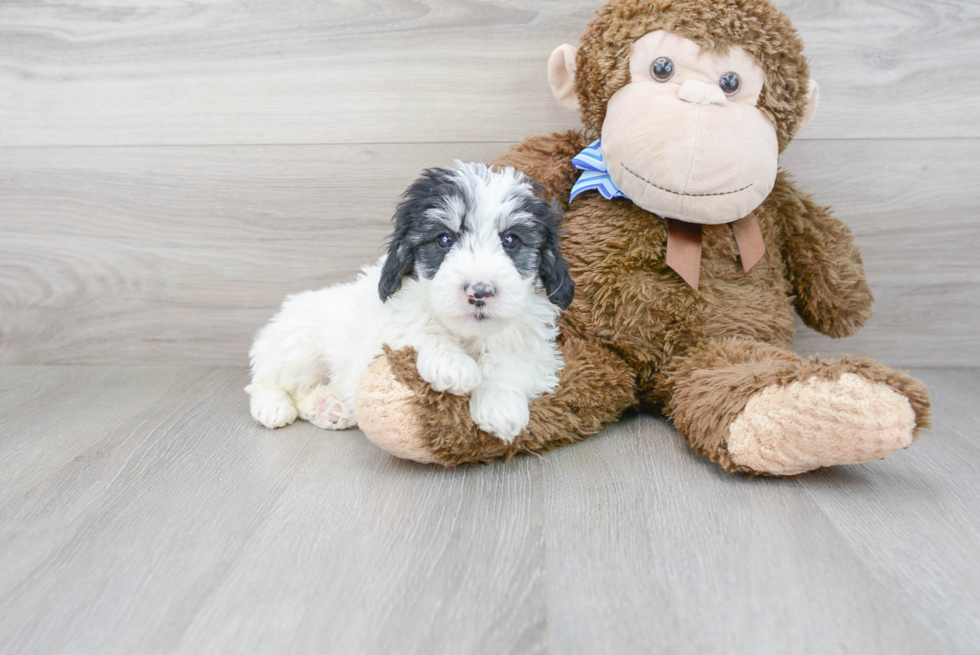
x: 142, y: 511
x: 169, y: 171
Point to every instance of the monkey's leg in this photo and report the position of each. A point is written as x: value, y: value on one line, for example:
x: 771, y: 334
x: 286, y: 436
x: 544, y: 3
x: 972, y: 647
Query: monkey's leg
x: 399, y: 412
x: 757, y: 408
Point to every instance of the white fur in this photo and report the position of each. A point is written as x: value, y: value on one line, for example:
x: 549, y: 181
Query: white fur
x: 308, y: 361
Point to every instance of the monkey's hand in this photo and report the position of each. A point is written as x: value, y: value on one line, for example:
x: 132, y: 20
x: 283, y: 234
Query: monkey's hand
x: 547, y: 160
x: 403, y: 415
x: 823, y: 264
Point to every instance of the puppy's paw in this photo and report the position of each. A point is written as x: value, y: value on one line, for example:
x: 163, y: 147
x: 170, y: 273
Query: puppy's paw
x: 502, y: 414
x: 332, y: 414
x: 449, y: 371
x: 325, y: 410
x: 272, y: 408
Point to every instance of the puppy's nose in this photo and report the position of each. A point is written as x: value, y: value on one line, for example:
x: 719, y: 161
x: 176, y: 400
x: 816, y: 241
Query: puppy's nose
x: 480, y: 290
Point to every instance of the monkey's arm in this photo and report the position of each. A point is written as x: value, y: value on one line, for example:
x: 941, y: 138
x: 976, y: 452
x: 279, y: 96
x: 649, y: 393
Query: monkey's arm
x: 547, y: 160
x: 823, y: 263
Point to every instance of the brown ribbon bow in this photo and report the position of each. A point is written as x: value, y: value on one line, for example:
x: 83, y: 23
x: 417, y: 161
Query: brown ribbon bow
x: 684, y: 246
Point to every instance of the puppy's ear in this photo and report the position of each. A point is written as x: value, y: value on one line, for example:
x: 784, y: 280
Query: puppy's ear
x: 401, y: 254
x: 554, y: 270
x: 400, y: 262
x: 401, y: 251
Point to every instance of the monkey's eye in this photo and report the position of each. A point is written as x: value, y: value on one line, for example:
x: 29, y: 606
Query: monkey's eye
x: 510, y: 241
x: 729, y: 83
x: 445, y: 240
x: 662, y: 69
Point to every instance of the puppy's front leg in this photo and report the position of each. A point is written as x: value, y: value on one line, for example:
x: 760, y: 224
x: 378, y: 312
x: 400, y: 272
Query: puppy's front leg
x: 500, y: 405
x: 502, y: 412
x: 447, y: 367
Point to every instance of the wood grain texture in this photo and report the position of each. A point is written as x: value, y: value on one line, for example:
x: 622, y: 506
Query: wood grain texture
x: 401, y: 71
x: 669, y: 550
x: 195, y: 530
x: 922, y: 509
x: 916, y: 216
x: 179, y: 254
x: 172, y: 254
x: 161, y: 519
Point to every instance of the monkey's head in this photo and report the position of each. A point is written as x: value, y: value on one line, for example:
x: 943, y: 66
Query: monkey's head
x: 693, y: 100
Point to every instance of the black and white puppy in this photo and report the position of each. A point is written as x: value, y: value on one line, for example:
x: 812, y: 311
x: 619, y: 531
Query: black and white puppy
x: 473, y: 280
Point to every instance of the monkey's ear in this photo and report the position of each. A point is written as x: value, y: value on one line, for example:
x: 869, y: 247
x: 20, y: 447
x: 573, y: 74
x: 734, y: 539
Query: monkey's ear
x: 812, y: 96
x: 561, y: 75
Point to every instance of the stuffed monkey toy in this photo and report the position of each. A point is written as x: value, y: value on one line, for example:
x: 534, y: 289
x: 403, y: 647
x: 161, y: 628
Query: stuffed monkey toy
x: 689, y: 250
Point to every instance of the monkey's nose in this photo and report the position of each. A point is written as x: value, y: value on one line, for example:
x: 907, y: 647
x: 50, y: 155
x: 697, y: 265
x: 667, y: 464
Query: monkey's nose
x: 480, y: 290
x: 701, y: 93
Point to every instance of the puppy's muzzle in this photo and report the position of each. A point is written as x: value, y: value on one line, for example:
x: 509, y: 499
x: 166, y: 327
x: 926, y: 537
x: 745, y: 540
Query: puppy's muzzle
x: 479, y: 292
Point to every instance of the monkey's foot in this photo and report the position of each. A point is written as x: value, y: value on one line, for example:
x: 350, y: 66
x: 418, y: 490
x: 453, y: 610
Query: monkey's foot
x: 757, y: 408
x: 786, y: 429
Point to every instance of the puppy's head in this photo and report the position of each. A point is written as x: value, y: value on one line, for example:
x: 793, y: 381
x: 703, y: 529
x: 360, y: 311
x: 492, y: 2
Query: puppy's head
x: 481, y: 242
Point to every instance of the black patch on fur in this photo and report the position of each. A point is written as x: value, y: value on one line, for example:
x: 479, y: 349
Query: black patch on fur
x: 414, y: 248
x: 414, y: 241
x: 429, y: 258
x: 526, y: 255
x: 540, y: 250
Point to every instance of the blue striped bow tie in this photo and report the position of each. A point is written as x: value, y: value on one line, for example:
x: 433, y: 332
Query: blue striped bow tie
x: 595, y: 175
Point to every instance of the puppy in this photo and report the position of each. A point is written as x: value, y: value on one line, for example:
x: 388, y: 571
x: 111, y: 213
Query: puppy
x: 473, y: 280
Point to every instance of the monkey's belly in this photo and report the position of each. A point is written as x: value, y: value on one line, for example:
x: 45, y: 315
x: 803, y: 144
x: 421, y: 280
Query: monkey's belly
x: 650, y: 316
x: 649, y: 336
x: 628, y: 297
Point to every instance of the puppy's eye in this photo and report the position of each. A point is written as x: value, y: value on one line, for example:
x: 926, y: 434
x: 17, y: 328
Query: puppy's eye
x: 662, y: 69
x: 510, y: 241
x: 444, y: 240
x: 729, y: 83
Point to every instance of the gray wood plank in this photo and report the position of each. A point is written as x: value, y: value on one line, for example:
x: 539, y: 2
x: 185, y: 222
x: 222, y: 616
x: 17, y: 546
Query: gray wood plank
x: 915, y: 522
x: 186, y: 528
x: 178, y: 254
x: 400, y: 558
x: 301, y: 71
x: 56, y: 421
x: 198, y: 531
x: 916, y: 215
x: 655, y: 549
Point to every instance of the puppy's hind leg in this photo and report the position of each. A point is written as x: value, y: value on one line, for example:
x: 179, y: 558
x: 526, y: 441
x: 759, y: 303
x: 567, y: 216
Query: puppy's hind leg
x: 285, y: 361
x: 325, y: 409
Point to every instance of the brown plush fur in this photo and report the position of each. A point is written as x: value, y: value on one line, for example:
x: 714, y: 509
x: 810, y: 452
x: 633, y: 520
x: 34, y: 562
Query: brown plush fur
x: 637, y: 334
x: 709, y: 388
x: 595, y: 388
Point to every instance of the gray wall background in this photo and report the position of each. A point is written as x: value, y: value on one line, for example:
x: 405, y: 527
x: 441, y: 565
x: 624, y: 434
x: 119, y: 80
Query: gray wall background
x: 170, y: 171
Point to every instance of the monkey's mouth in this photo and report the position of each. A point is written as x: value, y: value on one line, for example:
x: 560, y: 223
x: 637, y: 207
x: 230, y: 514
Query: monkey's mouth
x: 678, y: 193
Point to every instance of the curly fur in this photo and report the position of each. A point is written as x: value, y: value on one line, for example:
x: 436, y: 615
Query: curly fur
x: 473, y: 280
